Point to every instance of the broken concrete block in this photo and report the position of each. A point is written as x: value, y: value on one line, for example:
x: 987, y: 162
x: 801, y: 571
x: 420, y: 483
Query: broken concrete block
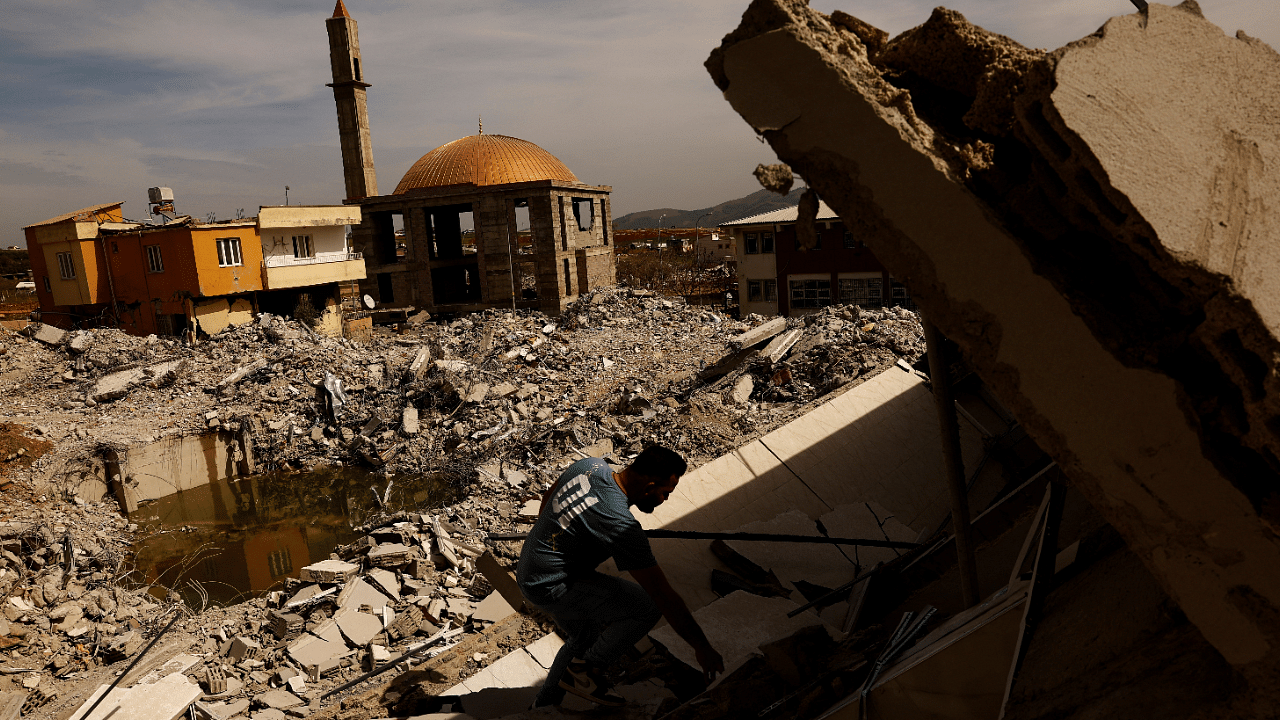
x: 386, y: 581
x: 358, y: 627
x: 477, y: 393
x: 243, y: 648
x: 406, y: 624
x: 278, y: 699
x: 215, y: 680
x: 390, y: 555
x: 242, y: 372
x: 760, y: 333
x: 359, y: 594
x: 329, y: 571
x: 502, y: 579
x: 80, y: 342
x: 166, y: 699
x: 48, y: 334
x: 285, y: 625
x: 116, y: 385
x: 781, y: 345
x: 740, y: 394
x: 123, y: 645
x: 493, y: 608
x: 409, y: 420
x: 502, y: 390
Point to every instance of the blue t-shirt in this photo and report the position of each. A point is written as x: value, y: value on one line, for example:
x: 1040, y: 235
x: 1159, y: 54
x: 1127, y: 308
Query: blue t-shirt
x: 585, y: 521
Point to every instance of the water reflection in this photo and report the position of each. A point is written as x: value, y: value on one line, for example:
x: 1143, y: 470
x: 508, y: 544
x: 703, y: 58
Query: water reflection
x: 239, y: 538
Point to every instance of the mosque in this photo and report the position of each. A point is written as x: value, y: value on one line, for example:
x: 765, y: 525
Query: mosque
x: 418, y: 249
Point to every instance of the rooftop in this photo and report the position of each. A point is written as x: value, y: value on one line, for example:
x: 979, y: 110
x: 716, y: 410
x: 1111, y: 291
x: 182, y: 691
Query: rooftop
x: 484, y: 160
x: 785, y: 215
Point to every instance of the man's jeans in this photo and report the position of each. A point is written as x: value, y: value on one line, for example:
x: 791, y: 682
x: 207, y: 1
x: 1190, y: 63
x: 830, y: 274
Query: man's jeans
x: 601, y: 616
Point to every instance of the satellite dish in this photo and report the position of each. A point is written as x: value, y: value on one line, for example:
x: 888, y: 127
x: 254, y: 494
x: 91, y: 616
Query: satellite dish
x: 368, y: 302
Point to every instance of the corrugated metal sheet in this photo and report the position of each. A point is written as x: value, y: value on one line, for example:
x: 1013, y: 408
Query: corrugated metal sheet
x: 785, y: 215
x: 484, y: 160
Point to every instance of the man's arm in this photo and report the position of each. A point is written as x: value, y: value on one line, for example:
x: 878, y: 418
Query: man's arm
x: 655, y: 583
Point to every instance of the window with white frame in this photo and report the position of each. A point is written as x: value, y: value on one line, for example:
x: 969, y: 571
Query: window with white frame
x: 810, y: 293
x: 302, y: 247
x: 155, y: 263
x: 229, y: 252
x: 901, y: 298
x: 753, y: 291
x: 66, y: 268
x: 863, y: 292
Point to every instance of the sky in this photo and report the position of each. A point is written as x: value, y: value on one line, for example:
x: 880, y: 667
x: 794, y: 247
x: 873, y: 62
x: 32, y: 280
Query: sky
x: 225, y: 100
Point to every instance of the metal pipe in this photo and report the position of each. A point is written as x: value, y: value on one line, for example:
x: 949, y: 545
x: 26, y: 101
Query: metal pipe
x: 941, y: 380
x: 748, y: 537
x: 122, y: 675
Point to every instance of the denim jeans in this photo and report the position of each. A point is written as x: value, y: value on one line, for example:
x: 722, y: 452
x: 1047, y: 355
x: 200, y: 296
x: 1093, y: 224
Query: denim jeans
x: 601, y: 616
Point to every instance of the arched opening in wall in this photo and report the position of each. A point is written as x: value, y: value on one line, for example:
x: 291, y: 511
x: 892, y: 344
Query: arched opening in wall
x: 524, y: 264
x: 355, y: 68
x: 584, y: 211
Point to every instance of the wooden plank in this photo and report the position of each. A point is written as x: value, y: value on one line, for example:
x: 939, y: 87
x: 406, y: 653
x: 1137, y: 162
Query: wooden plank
x: 11, y: 704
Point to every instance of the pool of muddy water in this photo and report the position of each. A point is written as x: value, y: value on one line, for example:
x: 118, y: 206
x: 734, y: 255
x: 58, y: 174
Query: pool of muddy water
x: 235, y: 539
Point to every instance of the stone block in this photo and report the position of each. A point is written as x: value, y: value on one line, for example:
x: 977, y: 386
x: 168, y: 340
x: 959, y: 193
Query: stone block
x: 329, y: 571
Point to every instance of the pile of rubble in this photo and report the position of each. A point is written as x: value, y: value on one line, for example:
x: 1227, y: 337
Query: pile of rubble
x: 66, y: 610
x: 521, y: 387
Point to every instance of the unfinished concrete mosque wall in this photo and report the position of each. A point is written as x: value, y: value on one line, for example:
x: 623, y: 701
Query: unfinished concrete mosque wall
x: 1095, y: 227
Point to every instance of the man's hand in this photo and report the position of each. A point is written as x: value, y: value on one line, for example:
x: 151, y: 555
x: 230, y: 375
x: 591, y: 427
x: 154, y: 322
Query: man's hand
x: 710, y: 660
x: 655, y: 583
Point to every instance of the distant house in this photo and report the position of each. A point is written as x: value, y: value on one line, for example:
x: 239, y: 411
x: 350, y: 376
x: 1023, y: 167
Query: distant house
x: 778, y: 277
x: 93, y: 267
x: 716, y: 246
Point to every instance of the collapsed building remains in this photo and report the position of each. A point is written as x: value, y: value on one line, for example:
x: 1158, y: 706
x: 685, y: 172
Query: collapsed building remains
x: 1094, y: 227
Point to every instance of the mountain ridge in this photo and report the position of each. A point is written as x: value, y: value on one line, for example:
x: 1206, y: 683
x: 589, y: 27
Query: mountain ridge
x: 760, y: 201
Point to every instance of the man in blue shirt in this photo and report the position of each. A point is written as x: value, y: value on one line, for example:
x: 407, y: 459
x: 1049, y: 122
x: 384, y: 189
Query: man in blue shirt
x: 586, y: 518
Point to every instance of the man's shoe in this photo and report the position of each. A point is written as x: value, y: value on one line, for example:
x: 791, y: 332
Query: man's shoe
x: 584, y: 680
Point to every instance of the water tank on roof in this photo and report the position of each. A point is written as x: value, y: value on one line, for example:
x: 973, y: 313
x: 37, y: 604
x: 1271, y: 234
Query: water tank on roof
x: 160, y: 195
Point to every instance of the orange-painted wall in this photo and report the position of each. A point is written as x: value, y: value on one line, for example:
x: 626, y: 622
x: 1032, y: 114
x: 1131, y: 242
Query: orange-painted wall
x: 216, y: 281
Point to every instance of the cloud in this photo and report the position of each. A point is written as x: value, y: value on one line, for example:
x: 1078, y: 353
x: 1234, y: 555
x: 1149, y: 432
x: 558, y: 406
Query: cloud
x: 24, y: 174
x: 225, y: 101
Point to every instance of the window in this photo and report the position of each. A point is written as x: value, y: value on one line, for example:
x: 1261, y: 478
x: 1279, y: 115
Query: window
x: 280, y: 563
x: 849, y: 242
x: 901, y: 298
x: 752, y: 244
x: 771, y: 291
x: 66, y: 268
x: 866, y: 293
x: 155, y: 263
x: 47, y: 287
x: 817, y: 239
x: 115, y: 249
x: 302, y: 246
x: 355, y: 68
x: 753, y: 291
x: 810, y: 293
x: 229, y: 252
x: 766, y: 242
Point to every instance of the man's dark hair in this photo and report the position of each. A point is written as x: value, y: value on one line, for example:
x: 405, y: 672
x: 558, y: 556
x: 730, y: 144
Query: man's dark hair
x: 659, y: 463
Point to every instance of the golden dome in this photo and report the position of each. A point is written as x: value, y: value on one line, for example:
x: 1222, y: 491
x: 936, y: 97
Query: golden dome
x: 484, y: 160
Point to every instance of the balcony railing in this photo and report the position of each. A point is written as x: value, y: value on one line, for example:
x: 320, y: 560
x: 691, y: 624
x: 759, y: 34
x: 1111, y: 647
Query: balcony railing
x: 272, y: 261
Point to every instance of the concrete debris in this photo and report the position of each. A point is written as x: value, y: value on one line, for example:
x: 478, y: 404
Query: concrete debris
x: 48, y: 334
x: 1138, y: 154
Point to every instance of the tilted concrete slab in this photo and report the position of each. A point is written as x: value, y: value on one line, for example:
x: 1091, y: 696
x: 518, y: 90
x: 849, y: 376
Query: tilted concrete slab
x: 1117, y: 289
x: 878, y: 441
